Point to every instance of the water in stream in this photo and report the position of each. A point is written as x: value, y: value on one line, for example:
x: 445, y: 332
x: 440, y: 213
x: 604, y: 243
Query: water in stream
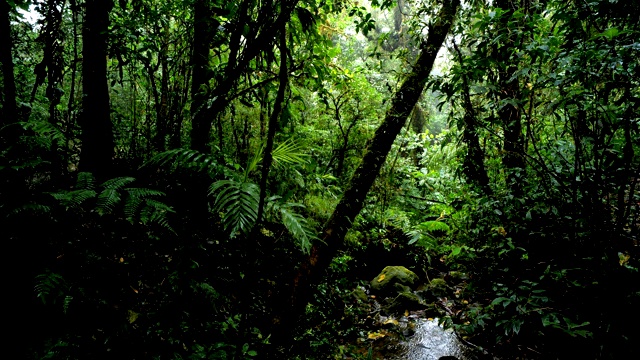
x: 430, y: 342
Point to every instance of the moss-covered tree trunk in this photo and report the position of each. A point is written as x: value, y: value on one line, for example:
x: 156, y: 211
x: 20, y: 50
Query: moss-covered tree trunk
x: 473, y: 164
x: 311, y: 271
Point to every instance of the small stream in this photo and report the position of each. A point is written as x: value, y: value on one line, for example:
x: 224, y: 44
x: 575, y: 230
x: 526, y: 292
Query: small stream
x: 430, y: 342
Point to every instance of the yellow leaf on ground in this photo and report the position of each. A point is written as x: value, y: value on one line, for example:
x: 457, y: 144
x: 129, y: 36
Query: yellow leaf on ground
x: 133, y: 316
x: 375, y: 335
x: 381, y: 278
x: 391, y: 321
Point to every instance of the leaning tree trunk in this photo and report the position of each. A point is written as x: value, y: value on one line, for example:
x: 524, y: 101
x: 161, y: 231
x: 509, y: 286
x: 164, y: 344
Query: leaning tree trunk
x: 95, y: 120
x: 311, y: 271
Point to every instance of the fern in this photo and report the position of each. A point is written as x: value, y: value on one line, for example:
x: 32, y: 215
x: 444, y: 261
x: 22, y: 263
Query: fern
x: 50, y: 286
x: 118, y: 183
x: 107, y: 200
x: 140, y: 205
x: 31, y: 208
x: 186, y: 158
x: 238, y: 202
x: 74, y: 198
x: 85, y: 181
x: 66, y: 303
x: 155, y: 212
x: 297, y: 225
x: 48, y: 133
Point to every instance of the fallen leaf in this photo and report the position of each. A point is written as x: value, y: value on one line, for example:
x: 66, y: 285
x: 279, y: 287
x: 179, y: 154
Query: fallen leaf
x: 381, y: 278
x: 375, y: 335
x: 133, y: 316
x: 390, y: 321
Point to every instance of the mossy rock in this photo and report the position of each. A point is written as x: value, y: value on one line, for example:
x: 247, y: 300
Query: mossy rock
x: 404, y: 301
x: 391, y: 275
x: 438, y: 287
x: 360, y: 294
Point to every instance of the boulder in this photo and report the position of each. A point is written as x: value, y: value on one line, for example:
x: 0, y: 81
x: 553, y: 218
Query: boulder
x: 390, y: 276
x: 360, y: 294
x: 402, y: 302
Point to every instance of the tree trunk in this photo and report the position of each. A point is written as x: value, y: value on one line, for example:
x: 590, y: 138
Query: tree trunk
x: 202, y: 30
x: 9, y: 108
x: 311, y: 271
x: 473, y: 164
x: 95, y: 120
x: 54, y: 58
x: 273, y: 120
x: 510, y: 114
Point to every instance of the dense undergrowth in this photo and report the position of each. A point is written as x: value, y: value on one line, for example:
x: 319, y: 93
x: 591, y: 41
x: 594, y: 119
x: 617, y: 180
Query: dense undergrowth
x: 512, y: 192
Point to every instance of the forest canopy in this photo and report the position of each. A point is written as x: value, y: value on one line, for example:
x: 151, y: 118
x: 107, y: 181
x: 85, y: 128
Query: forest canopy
x: 211, y: 179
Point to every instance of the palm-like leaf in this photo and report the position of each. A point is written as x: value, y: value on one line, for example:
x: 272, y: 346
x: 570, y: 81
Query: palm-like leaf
x: 288, y: 153
x: 238, y: 202
x: 297, y: 225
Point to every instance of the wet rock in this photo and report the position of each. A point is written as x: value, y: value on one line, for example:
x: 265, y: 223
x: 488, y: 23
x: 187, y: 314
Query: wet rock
x: 438, y: 287
x: 404, y: 301
x: 392, y: 275
x: 360, y: 294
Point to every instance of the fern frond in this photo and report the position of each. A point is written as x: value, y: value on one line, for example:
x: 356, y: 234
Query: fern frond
x: 75, y: 198
x: 49, y: 133
x: 85, y: 181
x: 143, y: 192
x: 131, y: 208
x: 66, y: 303
x: 185, y: 158
x: 117, y: 183
x: 238, y: 202
x: 31, y: 208
x: 288, y: 153
x: 150, y: 214
x: 107, y: 200
x: 49, y: 286
x: 297, y: 225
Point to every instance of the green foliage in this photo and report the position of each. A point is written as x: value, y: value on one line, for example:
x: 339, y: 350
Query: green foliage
x: 297, y: 225
x: 138, y: 204
x: 238, y: 203
x: 52, y: 288
x: 186, y: 159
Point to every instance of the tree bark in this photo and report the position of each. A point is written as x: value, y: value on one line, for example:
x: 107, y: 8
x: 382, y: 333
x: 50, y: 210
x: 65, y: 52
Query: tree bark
x: 510, y: 114
x: 311, y: 271
x: 9, y: 107
x: 95, y: 120
x: 473, y: 164
x: 273, y: 119
x: 202, y: 38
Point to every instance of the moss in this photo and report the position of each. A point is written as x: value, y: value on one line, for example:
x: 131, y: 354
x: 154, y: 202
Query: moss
x: 392, y: 275
x: 359, y: 294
